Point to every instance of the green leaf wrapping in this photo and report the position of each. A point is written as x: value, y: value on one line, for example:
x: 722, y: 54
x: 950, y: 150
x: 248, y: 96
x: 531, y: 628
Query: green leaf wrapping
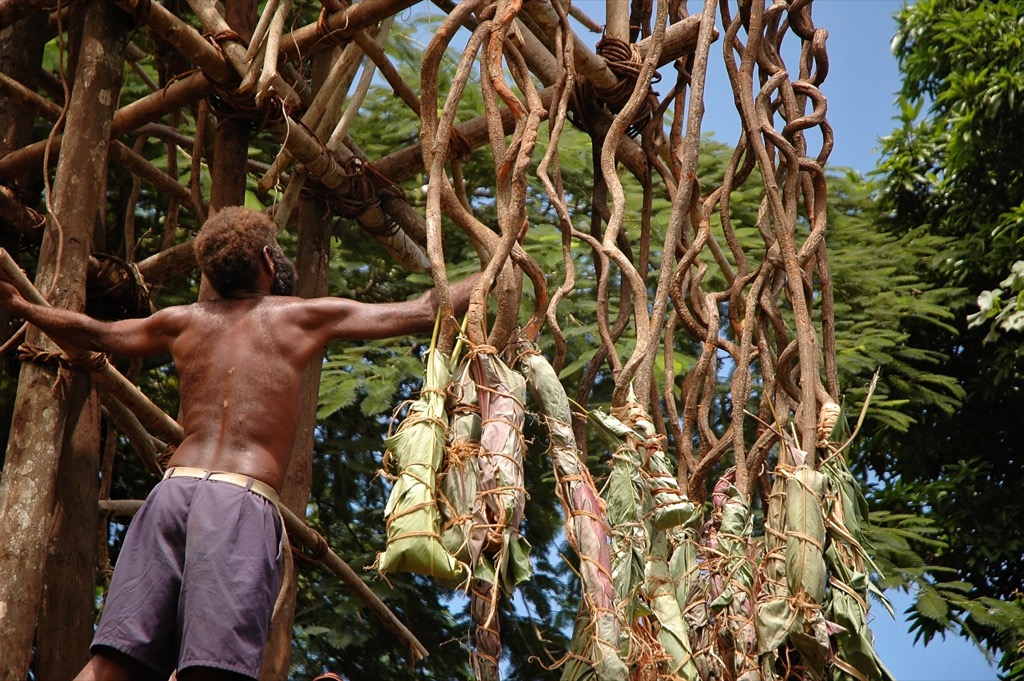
x: 624, y: 501
x: 411, y: 515
x: 805, y: 534
x: 671, y: 507
x: 806, y: 575
x: 673, y: 631
x: 775, y: 615
x: 855, y: 657
x: 734, y: 571
x: 458, y: 499
x: 848, y: 562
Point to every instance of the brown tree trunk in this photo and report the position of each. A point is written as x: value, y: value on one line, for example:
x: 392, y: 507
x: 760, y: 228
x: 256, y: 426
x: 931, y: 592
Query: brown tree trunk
x: 314, y: 248
x: 231, y: 139
x: 37, y: 430
x: 68, y: 609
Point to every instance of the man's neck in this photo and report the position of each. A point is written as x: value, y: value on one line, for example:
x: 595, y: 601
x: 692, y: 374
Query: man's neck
x: 245, y: 294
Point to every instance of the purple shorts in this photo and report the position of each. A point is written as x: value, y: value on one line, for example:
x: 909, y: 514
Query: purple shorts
x: 196, y: 579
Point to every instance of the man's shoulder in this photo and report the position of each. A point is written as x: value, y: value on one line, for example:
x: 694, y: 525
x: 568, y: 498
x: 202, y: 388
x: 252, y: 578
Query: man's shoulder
x: 175, y: 317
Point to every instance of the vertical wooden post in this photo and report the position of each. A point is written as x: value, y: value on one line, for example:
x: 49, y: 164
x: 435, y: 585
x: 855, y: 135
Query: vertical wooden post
x: 231, y: 137
x: 67, y: 610
x: 37, y: 430
x: 617, y: 19
x: 314, y: 248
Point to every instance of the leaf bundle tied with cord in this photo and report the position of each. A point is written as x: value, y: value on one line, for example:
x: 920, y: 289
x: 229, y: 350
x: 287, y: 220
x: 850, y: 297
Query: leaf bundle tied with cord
x: 412, y: 518
x: 501, y: 392
x: 595, y: 641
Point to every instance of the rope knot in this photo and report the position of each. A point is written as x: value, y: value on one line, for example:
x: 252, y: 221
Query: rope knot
x: 625, y: 61
x: 365, y: 186
x: 66, y: 365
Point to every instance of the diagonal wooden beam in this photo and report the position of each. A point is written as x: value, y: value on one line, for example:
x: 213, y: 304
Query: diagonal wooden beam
x: 130, y: 117
x: 341, y: 25
x: 119, y: 152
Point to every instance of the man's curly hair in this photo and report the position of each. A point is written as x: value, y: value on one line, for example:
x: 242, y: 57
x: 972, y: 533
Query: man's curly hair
x: 229, y: 248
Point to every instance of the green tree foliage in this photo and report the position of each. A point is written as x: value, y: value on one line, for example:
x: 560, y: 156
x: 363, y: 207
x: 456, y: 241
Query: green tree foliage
x: 952, y: 171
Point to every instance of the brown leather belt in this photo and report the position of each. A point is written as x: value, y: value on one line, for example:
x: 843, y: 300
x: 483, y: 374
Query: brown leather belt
x: 237, y: 479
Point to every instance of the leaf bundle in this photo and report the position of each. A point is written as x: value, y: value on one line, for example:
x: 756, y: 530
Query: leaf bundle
x: 806, y: 573
x: 597, y: 626
x: 855, y: 656
x: 412, y: 519
x: 624, y: 498
x: 670, y: 505
x: 732, y: 580
x: 458, y: 501
x: 501, y: 393
x: 661, y: 585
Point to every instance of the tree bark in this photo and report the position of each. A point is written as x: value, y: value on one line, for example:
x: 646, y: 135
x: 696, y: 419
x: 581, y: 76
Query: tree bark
x: 37, y: 431
x: 68, y: 609
x: 231, y: 138
x: 314, y: 248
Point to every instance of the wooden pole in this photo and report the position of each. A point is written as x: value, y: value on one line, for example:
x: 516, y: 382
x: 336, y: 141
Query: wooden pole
x: 27, y: 490
x: 616, y: 16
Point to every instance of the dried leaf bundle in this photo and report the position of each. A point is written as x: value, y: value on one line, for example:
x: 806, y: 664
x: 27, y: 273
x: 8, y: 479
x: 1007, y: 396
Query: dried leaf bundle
x: 458, y: 501
x: 501, y: 392
x: 597, y: 630
x: 847, y: 606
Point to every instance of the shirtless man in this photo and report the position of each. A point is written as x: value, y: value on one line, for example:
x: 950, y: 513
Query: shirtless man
x: 240, y: 358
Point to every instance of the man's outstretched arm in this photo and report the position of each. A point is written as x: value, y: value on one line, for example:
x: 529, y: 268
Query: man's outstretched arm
x: 330, y: 319
x: 130, y: 337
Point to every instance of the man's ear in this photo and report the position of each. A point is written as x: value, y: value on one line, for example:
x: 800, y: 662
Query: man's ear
x: 268, y: 259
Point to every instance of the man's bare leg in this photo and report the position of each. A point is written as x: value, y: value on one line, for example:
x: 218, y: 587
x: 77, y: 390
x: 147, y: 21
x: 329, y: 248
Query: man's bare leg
x: 110, y: 665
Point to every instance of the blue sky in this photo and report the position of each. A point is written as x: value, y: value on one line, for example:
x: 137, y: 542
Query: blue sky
x: 860, y: 89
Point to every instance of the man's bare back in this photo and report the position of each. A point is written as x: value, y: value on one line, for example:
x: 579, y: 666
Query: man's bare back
x: 241, y: 362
